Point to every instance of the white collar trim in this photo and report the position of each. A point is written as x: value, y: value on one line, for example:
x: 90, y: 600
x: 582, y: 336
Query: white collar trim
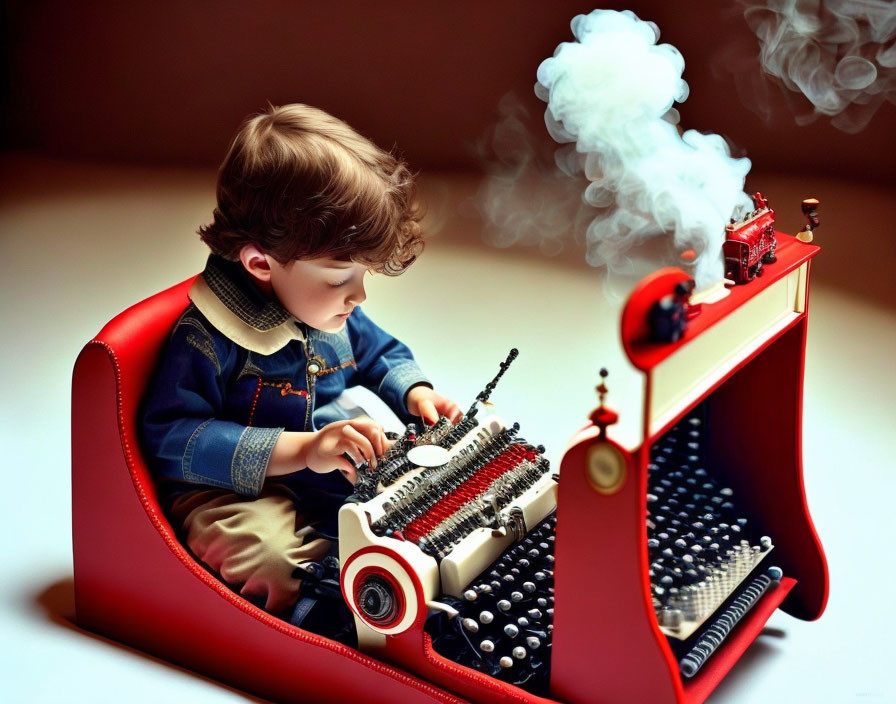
x: 230, y: 325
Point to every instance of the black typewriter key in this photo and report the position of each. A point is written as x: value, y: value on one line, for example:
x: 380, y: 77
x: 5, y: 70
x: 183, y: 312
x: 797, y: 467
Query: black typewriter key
x: 518, y: 597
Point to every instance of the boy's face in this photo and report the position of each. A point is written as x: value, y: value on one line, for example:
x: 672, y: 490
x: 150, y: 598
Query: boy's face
x: 321, y: 293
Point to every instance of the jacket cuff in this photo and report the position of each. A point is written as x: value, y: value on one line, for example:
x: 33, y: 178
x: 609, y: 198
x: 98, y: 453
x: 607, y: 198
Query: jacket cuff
x: 250, y: 459
x: 396, y: 384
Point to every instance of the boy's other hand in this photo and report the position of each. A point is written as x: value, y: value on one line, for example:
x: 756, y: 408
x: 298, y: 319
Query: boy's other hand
x: 428, y: 404
x: 362, y: 438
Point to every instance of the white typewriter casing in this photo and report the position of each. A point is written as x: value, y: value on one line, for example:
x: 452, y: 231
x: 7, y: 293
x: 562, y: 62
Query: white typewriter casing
x: 417, y: 578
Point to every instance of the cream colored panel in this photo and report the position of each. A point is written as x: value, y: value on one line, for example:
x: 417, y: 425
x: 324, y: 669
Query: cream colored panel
x: 802, y: 284
x: 480, y: 548
x: 699, y: 364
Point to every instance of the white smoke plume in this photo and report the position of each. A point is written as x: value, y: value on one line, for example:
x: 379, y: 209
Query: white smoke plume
x: 610, y: 97
x: 840, y: 54
x: 525, y: 198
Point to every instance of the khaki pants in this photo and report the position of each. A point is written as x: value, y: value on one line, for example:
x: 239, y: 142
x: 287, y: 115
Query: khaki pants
x: 251, y: 544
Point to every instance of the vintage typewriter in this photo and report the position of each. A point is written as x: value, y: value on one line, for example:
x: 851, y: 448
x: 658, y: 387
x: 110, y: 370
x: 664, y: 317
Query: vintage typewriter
x: 470, y: 511
x: 660, y: 554
x: 457, y: 520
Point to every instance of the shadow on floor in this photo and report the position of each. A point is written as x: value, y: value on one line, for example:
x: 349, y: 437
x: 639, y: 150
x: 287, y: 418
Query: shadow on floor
x: 749, y: 665
x: 56, y: 602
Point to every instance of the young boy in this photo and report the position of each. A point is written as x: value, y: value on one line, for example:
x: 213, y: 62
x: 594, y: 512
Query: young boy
x: 239, y: 421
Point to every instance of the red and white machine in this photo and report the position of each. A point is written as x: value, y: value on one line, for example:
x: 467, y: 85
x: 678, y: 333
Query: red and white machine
x: 744, y: 355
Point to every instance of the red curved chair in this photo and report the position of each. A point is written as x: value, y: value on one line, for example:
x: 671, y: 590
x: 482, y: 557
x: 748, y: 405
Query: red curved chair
x: 135, y: 582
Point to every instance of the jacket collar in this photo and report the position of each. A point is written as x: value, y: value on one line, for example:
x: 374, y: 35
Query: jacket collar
x: 226, y: 296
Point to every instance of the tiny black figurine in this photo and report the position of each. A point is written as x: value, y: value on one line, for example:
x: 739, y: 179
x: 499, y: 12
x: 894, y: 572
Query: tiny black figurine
x: 669, y: 315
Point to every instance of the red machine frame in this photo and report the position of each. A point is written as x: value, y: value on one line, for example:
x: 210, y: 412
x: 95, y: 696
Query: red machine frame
x: 136, y: 583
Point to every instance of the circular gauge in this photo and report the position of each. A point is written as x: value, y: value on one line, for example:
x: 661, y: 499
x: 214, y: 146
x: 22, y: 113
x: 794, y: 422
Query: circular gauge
x: 379, y: 588
x: 376, y: 598
x: 605, y: 468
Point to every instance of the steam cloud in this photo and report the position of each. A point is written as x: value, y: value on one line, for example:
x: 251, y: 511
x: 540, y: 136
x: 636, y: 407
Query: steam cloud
x: 840, y: 54
x: 525, y: 199
x: 653, y: 193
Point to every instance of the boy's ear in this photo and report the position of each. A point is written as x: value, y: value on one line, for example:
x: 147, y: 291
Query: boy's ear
x: 256, y: 262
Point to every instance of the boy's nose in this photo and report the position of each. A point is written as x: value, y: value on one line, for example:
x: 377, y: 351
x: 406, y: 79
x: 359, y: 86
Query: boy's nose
x: 358, y: 295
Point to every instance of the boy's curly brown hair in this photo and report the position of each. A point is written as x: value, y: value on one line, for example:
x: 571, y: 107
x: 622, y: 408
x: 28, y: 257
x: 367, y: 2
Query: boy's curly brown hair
x: 300, y: 184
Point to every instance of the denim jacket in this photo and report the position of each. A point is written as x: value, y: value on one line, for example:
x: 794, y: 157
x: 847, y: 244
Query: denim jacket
x: 238, y: 370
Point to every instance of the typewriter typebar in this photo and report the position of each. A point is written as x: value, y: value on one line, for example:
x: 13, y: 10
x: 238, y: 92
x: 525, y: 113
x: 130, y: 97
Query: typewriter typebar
x: 441, y: 506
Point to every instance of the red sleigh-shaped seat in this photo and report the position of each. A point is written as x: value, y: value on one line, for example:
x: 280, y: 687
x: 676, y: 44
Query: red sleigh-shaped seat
x: 135, y: 582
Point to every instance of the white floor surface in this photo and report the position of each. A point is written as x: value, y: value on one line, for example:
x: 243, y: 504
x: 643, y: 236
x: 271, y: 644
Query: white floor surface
x: 81, y: 243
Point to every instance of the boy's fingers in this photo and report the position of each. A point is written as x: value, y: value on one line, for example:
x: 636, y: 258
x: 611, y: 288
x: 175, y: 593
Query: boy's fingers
x: 427, y: 410
x: 452, y: 411
x: 377, y: 437
x: 350, y: 474
x: 344, y: 466
x: 367, y: 427
x: 361, y: 445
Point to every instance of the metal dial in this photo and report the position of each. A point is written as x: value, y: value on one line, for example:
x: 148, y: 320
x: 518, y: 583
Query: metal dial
x: 376, y: 599
x: 605, y: 468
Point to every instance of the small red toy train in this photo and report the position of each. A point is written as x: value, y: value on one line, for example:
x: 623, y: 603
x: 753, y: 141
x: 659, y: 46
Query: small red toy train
x: 750, y: 242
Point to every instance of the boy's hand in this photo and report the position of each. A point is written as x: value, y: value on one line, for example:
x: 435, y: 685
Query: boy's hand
x: 428, y: 404
x: 361, y: 438
x: 323, y: 451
